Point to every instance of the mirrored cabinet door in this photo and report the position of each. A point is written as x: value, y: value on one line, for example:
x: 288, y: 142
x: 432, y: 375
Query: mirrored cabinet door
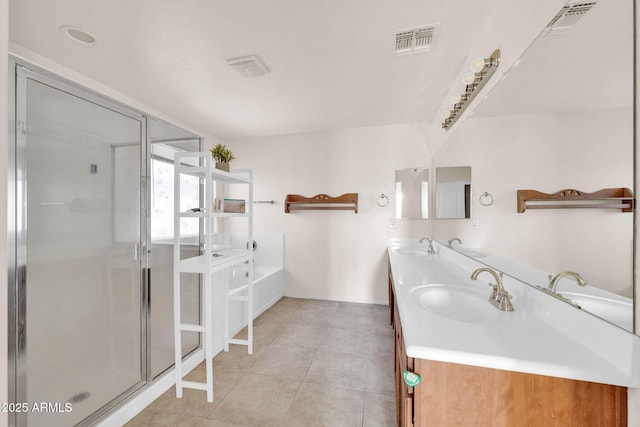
x: 412, y: 193
x: 453, y: 192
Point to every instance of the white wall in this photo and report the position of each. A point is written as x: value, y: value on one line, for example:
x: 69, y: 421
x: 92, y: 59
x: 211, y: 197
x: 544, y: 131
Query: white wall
x: 586, y: 151
x: 4, y: 132
x: 335, y: 255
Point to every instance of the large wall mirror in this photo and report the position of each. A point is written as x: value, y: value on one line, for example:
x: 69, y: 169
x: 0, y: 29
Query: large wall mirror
x: 562, y: 118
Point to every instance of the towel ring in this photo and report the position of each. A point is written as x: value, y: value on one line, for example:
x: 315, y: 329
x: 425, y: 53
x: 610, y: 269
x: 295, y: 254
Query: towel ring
x: 382, y: 200
x: 486, y: 199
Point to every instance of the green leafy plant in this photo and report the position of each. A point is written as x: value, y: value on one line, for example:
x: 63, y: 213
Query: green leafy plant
x: 222, y: 154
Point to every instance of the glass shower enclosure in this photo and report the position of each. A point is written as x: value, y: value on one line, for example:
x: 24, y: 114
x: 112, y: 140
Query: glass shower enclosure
x: 85, y: 329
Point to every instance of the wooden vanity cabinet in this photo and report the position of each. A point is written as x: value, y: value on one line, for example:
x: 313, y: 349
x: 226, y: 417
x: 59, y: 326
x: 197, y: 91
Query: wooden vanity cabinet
x: 455, y: 395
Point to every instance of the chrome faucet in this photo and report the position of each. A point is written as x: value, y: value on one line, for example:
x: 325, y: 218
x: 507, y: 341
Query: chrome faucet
x: 553, y: 284
x: 430, y: 249
x: 499, y: 298
x: 453, y: 240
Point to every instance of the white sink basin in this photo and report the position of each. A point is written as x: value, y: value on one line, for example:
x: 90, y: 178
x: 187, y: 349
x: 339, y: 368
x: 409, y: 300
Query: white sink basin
x: 614, y: 311
x: 455, y: 302
x: 412, y: 251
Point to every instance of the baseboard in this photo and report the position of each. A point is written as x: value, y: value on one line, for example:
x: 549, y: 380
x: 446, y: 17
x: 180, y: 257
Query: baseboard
x: 324, y: 298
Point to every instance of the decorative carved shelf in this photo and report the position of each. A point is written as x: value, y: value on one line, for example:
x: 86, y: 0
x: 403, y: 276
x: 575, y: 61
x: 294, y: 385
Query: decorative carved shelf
x: 608, y: 198
x: 348, y: 201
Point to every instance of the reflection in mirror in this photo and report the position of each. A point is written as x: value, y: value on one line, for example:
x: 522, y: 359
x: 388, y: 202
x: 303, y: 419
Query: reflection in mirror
x: 559, y: 120
x: 412, y: 193
x: 453, y: 192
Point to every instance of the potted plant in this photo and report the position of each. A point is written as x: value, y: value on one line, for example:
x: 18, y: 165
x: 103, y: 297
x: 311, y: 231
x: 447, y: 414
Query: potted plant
x: 223, y: 156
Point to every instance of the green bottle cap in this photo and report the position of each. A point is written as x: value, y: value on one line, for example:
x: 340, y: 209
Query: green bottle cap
x: 411, y: 378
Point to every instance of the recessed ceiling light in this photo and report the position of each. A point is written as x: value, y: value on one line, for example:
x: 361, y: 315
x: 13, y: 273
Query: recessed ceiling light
x: 77, y: 35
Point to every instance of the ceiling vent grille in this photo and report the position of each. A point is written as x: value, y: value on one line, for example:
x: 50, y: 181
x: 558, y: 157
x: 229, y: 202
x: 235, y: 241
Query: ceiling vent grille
x: 249, y: 66
x: 414, y: 40
x: 567, y: 17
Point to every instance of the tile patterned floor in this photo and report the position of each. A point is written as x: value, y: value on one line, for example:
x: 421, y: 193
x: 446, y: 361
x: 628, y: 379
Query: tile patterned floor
x: 315, y: 363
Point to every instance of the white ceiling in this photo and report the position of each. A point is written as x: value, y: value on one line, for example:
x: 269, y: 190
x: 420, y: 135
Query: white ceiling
x: 332, y: 61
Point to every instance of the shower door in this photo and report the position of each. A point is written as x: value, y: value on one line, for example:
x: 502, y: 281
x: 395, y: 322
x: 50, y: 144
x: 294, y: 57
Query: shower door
x: 80, y: 276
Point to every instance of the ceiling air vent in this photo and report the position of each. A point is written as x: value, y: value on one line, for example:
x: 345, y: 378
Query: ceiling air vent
x: 567, y: 17
x: 414, y: 40
x: 248, y: 66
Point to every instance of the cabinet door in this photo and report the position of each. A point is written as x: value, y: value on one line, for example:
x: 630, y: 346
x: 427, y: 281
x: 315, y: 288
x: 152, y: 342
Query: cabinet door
x: 404, y: 393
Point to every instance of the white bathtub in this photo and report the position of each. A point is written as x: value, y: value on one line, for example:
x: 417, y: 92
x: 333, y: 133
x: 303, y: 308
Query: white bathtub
x: 268, y: 279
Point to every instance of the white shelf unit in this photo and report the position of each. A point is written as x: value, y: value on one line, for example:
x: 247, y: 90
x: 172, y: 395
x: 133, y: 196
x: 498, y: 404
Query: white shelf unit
x: 215, y: 257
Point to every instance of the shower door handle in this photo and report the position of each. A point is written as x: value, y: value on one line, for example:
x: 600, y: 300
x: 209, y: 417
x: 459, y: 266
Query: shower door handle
x: 147, y: 287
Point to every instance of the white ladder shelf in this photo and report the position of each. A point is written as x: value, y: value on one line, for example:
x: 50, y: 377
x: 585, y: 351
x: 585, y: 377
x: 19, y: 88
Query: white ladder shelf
x: 207, y: 264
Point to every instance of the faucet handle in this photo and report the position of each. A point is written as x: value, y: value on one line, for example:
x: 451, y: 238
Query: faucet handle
x: 494, y: 293
x: 505, y: 294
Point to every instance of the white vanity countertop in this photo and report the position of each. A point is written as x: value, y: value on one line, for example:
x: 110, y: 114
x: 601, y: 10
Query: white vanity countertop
x: 542, y: 336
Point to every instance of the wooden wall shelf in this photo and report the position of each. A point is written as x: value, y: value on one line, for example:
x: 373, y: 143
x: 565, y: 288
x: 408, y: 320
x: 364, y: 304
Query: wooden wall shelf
x: 348, y: 201
x: 608, y: 198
